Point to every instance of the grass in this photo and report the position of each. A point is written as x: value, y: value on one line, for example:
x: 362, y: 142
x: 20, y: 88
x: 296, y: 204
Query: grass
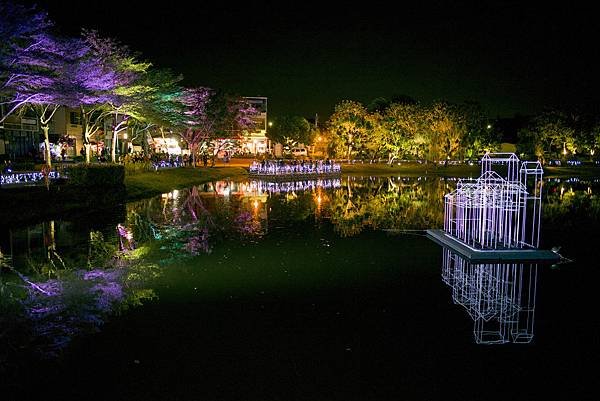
x: 147, y: 184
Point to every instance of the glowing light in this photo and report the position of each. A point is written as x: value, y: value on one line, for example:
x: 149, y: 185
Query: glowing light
x: 492, y: 211
x: 26, y: 177
x: 255, y: 204
x: 292, y: 186
x: 305, y: 168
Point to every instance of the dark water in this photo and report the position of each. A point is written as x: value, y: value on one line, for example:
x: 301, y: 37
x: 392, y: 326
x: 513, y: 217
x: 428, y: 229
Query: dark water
x: 295, y: 292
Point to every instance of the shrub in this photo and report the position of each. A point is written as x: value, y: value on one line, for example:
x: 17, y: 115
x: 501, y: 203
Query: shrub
x: 96, y: 175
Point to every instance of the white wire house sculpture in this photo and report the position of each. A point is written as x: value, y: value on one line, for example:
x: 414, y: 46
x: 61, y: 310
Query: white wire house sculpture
x: 500, y: 298
x: 501, y: 209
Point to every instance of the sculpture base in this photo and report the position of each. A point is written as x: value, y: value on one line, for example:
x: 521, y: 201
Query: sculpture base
x: 492, y: 255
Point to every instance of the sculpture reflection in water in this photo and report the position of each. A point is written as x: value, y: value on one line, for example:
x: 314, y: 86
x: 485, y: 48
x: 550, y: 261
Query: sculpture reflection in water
x: 500, y: 298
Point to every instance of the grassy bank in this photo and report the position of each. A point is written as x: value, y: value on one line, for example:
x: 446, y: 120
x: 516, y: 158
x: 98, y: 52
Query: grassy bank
x: 144, y: 185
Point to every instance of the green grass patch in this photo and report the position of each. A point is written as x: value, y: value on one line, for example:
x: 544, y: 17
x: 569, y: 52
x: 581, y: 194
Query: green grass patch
x: 147, y: 184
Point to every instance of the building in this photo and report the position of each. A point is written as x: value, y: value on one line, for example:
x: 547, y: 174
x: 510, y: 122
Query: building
x: 19, y: 135
x: 256, y: 142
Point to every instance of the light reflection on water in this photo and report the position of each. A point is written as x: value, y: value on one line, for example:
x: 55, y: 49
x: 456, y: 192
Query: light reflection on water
x: 91, y: 273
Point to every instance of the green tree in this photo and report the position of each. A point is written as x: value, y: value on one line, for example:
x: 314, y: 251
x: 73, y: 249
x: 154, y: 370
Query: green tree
x: 549, y: 135
x: 349, y: 126
x: 446, y: 130
x: 404, y: 131
x: 290, y: 131
x: 479, y: 136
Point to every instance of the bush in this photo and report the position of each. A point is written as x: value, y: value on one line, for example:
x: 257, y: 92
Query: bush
x: 23, y: 166
x: 96, y: 175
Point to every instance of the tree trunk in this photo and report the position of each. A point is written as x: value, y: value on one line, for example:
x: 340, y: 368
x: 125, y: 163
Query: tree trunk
x: 113, y: 147
x: 88, y: 151
x: 193, y: 159
x: 85, y: 134
x: 47, y: 153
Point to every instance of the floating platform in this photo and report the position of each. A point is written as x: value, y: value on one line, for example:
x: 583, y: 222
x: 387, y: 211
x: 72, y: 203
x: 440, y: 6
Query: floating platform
x: 492, y: 255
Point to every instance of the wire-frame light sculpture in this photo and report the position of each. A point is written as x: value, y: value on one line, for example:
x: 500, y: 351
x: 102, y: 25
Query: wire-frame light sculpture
x: 499, y: 210
x: 499, y: 297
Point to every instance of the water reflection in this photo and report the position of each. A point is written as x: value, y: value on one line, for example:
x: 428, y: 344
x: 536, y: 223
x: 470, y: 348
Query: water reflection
x: 500, y: 298
x: 88, y: 267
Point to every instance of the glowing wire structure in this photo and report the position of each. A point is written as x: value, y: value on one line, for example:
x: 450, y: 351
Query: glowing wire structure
x: 500, y: 298
x: 26, y: 177
x: 278, y: 169
x: 497, y: 211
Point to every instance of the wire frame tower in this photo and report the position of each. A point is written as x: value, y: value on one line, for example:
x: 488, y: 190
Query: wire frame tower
x: 499, y: 210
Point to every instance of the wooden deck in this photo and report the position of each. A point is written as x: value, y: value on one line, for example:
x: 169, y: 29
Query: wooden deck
x: 492, y: 256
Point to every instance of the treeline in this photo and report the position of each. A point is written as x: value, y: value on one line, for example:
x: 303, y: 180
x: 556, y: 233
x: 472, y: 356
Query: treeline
x: 406, y: 129
x: 560, y: 134
x: 442, y: 131
x: 104, y: 79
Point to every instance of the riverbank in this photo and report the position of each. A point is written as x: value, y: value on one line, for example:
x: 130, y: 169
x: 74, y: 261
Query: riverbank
x: 144, y: 185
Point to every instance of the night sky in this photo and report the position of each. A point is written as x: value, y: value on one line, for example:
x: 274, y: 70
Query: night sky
x: 306, y: 57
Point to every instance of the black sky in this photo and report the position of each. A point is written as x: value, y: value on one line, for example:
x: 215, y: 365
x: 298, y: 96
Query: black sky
x: 306, y: 57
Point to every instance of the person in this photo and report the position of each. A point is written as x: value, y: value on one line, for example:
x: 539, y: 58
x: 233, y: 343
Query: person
x: 82, y: 152
x: 7, y: 167
x: 63, y: 153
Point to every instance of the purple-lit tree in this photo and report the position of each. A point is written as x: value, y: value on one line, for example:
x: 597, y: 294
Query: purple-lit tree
x: 214, y: 117
x: 124, y: 74
x: 199, y: 121
x: 97, y: 80
x: 36, y: 67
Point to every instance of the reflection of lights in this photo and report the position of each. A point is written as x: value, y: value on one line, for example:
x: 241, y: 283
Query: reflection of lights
x: 291, y: 186
x: 319, y: 199
x: 255, y: 204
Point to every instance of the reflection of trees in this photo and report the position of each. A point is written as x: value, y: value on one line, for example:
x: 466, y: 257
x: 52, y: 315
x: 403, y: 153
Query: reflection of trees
x: 568, y: 205
x: 387, y: 203
x: 295, y: 206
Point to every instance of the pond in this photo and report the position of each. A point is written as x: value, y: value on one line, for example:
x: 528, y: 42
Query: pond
x: 310, y: 290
